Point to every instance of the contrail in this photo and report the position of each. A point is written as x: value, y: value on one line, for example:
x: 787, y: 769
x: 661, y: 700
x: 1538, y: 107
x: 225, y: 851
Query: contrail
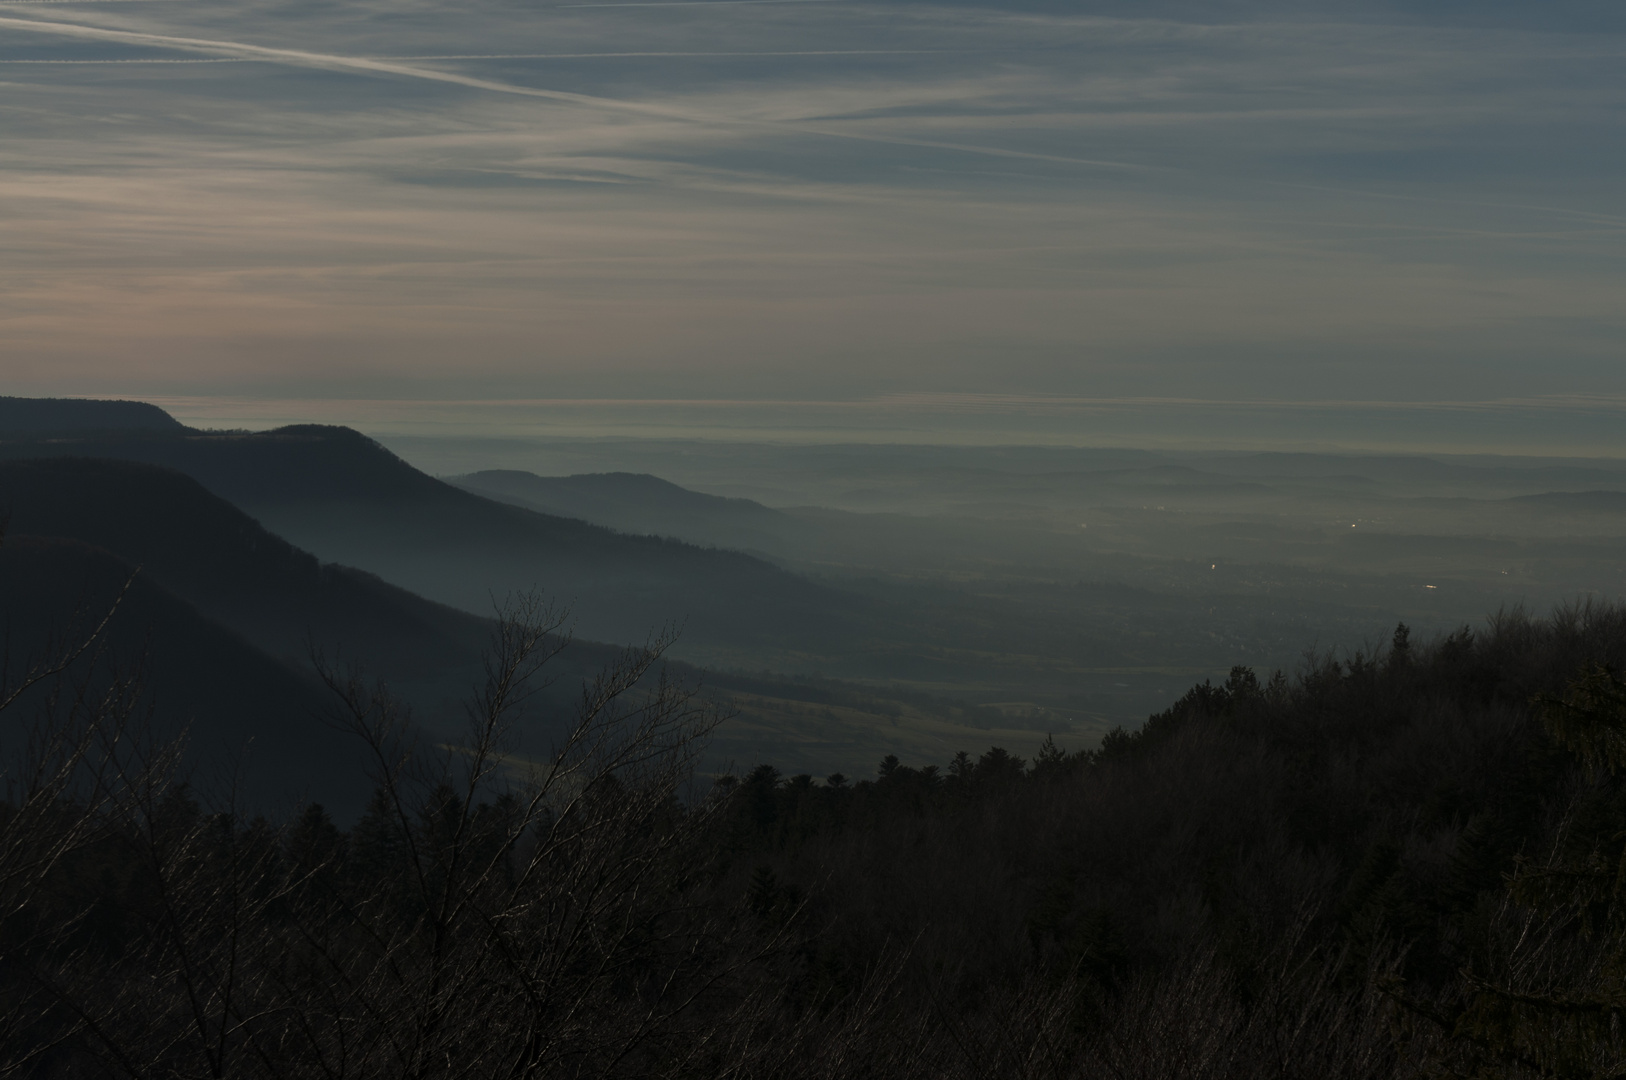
x: 332, y: 62
x: 465, y: 56
x: 131, y: 60
x: 746, y: 53
x: 380, y: 66
x: 691, y: 3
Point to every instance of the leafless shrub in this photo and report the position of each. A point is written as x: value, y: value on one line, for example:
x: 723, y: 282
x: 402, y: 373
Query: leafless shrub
x: 490, y: 916
x: 65, y: 725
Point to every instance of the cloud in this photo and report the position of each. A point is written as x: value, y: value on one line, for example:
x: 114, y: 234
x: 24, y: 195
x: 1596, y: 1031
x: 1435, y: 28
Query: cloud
x: 803, y: 198
x: 330, y: 62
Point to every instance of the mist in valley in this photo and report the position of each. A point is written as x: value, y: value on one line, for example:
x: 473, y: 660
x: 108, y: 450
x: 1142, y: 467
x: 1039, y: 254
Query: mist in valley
x: 852, y: 600
x: 1087, y: 586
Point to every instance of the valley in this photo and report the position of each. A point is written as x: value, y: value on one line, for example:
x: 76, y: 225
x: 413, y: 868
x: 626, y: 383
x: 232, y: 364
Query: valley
x: 847, y: 601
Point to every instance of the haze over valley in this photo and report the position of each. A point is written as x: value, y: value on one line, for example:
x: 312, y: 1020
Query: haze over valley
x: 851, y: 600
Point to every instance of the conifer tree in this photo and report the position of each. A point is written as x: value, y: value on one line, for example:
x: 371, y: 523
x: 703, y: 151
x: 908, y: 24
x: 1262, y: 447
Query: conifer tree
x: 1554, y: 1005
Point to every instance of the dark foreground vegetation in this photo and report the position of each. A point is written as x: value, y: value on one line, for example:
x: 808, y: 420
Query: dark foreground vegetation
x: 1402, y: 864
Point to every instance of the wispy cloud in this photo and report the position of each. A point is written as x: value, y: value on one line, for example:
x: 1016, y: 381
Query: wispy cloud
x: 777, y: 198
x: 332, y: 62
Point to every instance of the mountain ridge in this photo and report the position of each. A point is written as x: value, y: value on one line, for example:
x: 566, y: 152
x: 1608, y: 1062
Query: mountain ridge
x: 81, y: 414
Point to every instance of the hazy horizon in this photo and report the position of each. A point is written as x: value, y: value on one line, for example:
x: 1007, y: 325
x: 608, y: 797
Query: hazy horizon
x: 1551, y: 428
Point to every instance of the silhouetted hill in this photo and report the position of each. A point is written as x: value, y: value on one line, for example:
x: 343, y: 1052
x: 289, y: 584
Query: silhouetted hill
x: 208, y: 554
x: 637, y: 503
x: 911, y: 618
x: 73, y: 414
x: 217, y: 558
x: 344, y: 497
x: 284, y: 600
x: 250, y: 723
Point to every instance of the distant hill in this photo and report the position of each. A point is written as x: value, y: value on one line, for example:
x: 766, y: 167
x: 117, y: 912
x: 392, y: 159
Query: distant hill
x: 74, y: 414
x: 209, y: 573
x: 343, y: 497
x: 224, y: 610
x: 638, y: 503
x: 217, y: 558
x: 283, y: 600
x: 251, y: 724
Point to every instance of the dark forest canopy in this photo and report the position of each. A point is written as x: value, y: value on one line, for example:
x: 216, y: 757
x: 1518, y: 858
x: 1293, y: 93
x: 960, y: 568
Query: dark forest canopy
x: 1394, y: 864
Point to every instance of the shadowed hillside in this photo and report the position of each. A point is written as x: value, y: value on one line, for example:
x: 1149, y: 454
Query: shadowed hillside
x: 1071, y: 589
x: 232, y: 569
x: 234, y: 572
x: 213, y: 557
x: 250, y: 724
x: 342, y: 496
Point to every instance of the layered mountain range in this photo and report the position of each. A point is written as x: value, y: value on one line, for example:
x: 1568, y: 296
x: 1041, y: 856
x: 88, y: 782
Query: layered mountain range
x: 244, y: 560
x: 863, y: 601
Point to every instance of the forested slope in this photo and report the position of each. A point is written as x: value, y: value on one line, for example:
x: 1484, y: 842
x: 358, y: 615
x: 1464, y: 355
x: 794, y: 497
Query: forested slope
x: 1402, y: 863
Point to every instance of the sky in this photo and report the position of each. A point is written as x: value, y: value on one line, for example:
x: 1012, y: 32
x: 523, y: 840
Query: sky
x: 813, y: 200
